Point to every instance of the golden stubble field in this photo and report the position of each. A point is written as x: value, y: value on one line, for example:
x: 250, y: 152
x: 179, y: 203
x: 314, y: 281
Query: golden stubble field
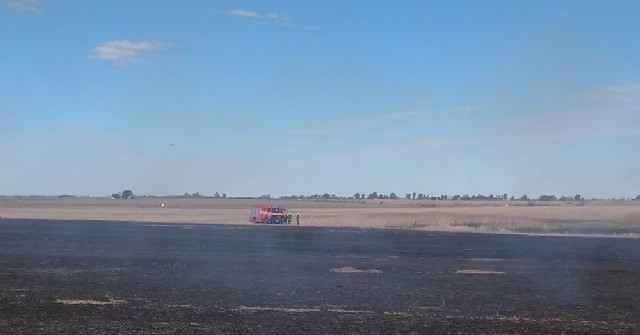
x: 595, y: 217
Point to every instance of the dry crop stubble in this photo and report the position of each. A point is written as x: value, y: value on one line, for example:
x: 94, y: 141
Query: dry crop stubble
x: 453, y: 216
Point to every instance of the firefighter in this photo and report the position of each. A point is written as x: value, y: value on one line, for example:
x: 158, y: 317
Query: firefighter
x: 298, y: 219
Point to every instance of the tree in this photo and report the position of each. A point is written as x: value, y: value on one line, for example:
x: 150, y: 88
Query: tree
x: 373, y: 195
x: 115, y: 196
x: 357, y: 195
x: 578, y: 197
x: 393, y: 196
x: 414, y: 195
x: 127, y: 194
x: 224, y: 195
x: 407, y: 196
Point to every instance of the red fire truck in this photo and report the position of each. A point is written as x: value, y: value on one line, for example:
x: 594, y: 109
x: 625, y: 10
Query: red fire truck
x: 269, y: 214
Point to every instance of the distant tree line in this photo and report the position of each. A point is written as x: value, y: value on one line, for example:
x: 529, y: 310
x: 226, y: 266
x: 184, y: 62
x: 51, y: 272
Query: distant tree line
x: 126, y: 194
x: 422, y: 196
x: 195, y: 195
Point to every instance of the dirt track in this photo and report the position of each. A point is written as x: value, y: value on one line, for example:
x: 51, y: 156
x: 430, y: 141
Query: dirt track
x: 63, y: 277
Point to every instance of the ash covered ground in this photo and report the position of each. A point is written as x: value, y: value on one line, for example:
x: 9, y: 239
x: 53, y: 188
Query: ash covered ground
x: 95, y: 277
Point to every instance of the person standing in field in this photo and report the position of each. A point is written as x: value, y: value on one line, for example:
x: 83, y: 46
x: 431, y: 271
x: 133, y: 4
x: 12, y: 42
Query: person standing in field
x: 298, y: 219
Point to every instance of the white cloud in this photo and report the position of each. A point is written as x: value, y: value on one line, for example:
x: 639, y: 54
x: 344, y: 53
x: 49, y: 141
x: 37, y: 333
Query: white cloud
x: 273, y: 16
x: 123, y: 51
x: 26, y: 5
x: 242, y: 13
x: 270, y: 17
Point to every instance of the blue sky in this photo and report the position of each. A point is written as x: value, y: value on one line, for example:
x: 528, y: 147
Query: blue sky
x: 301, y: 97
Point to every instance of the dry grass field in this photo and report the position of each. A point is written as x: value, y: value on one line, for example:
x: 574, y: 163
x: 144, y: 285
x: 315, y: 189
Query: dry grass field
x: 601, y: 218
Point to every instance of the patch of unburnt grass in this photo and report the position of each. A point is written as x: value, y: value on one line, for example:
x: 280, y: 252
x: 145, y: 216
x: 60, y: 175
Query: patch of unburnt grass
x: 108, y: 300
x: 478, y: 272
x: 351, y: 269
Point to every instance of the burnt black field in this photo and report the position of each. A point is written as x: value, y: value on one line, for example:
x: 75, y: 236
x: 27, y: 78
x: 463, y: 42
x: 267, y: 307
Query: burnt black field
x: 94, y: 277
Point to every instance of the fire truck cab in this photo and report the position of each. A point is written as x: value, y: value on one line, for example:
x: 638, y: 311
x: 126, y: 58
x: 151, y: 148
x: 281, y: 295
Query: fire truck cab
x: 269, y: 214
